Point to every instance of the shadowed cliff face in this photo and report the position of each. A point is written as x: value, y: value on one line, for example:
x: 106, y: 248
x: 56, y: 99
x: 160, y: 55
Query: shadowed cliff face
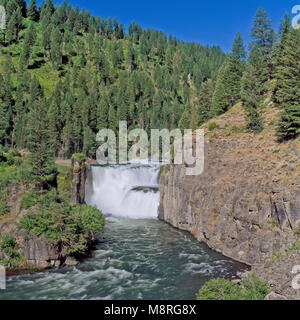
x: 78, y: 178
x: 246, y: 204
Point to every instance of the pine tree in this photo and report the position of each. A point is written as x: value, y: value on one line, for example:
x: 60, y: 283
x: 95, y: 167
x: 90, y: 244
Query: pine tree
x: 234, y: 70
x: 89, y: 142
x: 47, y: 7
x: 54, y: 121
x: 46, y: 28
x: 185, y: 120
x: 228, y: 86
x: 56, y: 50
x: 205, y: 101
x: 263, y: 34
x: 102, y: 65
x: 279, y: 51
x: 112, y: 119
x: 22, y: 6
x: 4, y: 119
x: 29, y: 42
x: 7, y: 102
x: 35, y: 106
x: 18, y: 21
x: 102, y: 114
x: 220, y: 100
x: 40, y: 168
x: 32, y: 11
x: 10, y: 8
x: 131, y: 58
x: 11, y: 31
x: 18, y: 137
x: 253, y: 88
x: 287, y: 80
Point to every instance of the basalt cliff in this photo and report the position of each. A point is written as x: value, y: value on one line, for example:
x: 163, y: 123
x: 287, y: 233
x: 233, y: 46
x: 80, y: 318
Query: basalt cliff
x: 246, y: 204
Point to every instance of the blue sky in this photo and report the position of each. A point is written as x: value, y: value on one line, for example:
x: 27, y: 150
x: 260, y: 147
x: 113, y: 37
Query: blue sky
x: 207, y: 22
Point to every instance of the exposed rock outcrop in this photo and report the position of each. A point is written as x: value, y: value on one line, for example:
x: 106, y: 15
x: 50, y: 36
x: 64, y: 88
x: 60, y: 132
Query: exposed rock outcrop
x: 78, y: 178
x: 238, y: 220
x: 36, y: 251
x: 274, y: 296
x: 282, y: 275
x: 243, y: 219
x: 246, y: 204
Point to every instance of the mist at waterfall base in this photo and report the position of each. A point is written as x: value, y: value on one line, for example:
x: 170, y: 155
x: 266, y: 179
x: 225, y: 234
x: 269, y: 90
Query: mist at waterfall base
x: 128, y: 191
x: 140, y: 257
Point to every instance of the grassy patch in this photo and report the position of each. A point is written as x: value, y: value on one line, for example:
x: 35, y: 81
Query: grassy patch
x: 237, y: 129
x: 79, y: 157
x: 279, y: 256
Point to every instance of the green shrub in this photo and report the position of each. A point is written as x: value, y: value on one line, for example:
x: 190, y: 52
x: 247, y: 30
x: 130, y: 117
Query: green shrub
x: 29, y: 200
x: 37, y: 197
x: 219, y: 289
x: 92, y: 220
x: 5, y: 262
x: 9, y: 246
x: 13, y: 157
x: 39, y: 169
x: 255, y: 288
x: 8, y: 176
x: 3, y: 164
x: 212, y: 126
x: 64, y: 184
x: 61, y: 223
x: 4, y: 209
x: 9, y: 157
x: 2, y: 155
x: 252, y: 288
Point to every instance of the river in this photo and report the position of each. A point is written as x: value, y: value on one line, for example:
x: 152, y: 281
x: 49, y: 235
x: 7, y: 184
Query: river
x: 140, y: 257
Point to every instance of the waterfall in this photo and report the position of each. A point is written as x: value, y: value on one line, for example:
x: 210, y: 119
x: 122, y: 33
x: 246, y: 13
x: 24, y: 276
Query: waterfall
x: 129, y: 191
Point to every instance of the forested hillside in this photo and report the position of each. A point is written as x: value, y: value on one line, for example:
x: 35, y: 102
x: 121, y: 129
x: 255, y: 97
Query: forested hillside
x: 68, y: 74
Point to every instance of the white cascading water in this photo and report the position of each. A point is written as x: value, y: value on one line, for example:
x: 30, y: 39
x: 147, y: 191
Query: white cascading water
x: 129, y: 191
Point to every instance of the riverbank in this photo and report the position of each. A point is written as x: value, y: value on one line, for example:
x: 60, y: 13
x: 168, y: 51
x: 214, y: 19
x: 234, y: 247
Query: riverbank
x: 17, y: 272
x: 132, y: 263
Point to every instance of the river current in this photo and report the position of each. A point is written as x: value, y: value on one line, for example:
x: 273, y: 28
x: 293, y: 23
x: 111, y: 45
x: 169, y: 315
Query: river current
x: 140, y: 257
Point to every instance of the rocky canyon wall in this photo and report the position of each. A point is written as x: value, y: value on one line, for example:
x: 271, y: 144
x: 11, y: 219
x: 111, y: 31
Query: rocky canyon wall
x: 245, y: 205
